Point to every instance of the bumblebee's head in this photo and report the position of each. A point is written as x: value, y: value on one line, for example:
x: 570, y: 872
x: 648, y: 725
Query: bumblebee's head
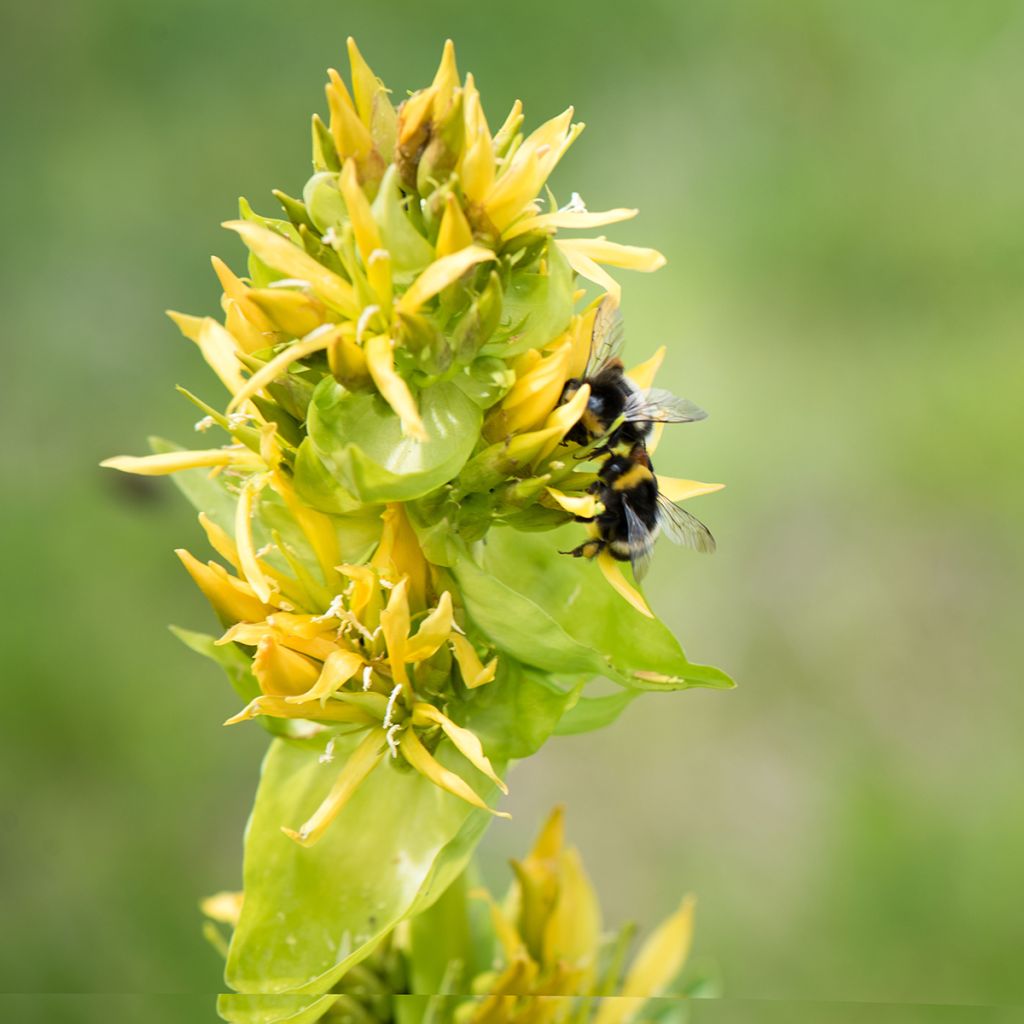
x: 571, y: 387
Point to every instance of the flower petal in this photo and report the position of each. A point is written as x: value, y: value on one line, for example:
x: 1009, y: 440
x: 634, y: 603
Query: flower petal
x: 466, y: 742
x: 474, y: 672
x: 433, y: 631
x: 380, y: 361
x: 613, y: 574
x: 629, y: 257
x: 569, y: 219
x: 440, y: 274
x: 361, y: 762
x: 679, y: 490
x: 643, y: 374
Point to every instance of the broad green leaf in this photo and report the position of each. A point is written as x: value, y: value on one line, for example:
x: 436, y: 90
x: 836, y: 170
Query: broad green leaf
x: 410, y: 251
x: 516, y: 623
x: 311, y: 913
x: 268, y: 1009
x: 358, y: 440
x: 517, y: 712
x: 536, y: 309
x: 570, y: 593
x: 590, y: 713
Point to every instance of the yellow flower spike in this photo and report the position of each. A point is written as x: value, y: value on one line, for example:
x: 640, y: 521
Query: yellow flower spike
x: 474, y: 672
x: 380, y: 361
x: 230, y: 601
x: 172, y: 462
x: 363, y: 225
x: 643, y: 375
x: 360, y: 763
x: 455, y: 232
x: 394, y: 622
x: 244, y: 542
x: 613, y: 574
x: 415, y: 110
x: 378, y: 273
x: 466, y: 742
x: 282, y: 672
x: 276, y: 706
x: 679, y: 490
x: 292, y: 312
x: 287, y: 258
x: 575, y: 504
x: 573, y: 929
x: 440, y: 274
x: 316, y: 341
x: 338, y: 669
x: 656, y: 964
x: 351, y: 137
x: 219, y: 349
x: 420, y: 759
x: 433, y: 631
x: 550, y: 222
x: 535, y: 395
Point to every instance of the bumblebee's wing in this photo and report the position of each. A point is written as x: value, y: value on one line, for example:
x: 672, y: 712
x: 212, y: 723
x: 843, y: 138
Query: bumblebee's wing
x: 656, y: 405
x: 682, y: 528
x: 606, y: 337
x: 641, y: 542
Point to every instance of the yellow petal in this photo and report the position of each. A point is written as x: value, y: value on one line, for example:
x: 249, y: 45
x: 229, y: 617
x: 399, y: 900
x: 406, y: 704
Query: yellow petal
x: 172, y: 462
x: 474, y: 672
x: 440, y: 274
x: 679, y: 490
x: 243, y: 539
x: 654, y: 439
x: 221, y: 353
x: 380, y: 361
x: 511, y: 942
x: 657, y: 962
x: 338, y: 669
x: 394, y: 621
x: 581, y: 334
x: 534, y: 395
x: 365, y: 84
x: 600, y: 250
x: 433, y: 631
x: 276, y: 706
x: 643, y: 375
x: 351, y: 137
x: 317, y: 341
x: 613, y: 574
x: 378, y: 273
x: 287, y: 258
x: 364, y: 227
x: 561, y: 421
x: 455, y: 233
x: 293, y: 312
x: 586, y: 267
x: 477, y: 172
x: 232, y: 601
x: 573, y: 929
x: 282, y: 672
x: 466, y: 742
x: 584, y: 505
x: 417, y: 756
x: 360, y: 763
x: 446, y: 80
x: 247, y: 336
x: 568, y: 219
x: 225, y: 907
x: 188, y: 325
x: 235, y: 288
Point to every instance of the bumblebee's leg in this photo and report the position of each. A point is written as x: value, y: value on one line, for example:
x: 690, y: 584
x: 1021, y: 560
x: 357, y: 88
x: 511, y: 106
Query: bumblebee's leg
x: 588, y: 549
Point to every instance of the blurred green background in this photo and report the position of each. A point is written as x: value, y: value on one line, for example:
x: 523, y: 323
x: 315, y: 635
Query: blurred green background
x: 839, y: 188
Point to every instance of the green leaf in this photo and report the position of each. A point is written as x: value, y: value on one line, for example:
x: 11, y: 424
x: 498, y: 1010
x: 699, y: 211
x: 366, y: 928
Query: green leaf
x: 311, y: 913
x: 324, y: 202
x: 358, y: 440
x: 537, y: 307
x: 516, y: 623
x: 590, y: 713
x: 571, y: 595
x: 267, y: 1009
x: 410, y: 251
x: 517, y: 712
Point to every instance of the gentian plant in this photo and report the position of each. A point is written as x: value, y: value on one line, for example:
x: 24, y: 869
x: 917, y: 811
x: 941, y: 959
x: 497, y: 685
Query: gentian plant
x: 388, y: 505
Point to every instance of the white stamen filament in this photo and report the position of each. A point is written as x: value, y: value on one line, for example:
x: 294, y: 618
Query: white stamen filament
x: 204, y: 424
x: 333, y: 610
x: 364, y: 319
x: 390, y: 737
x: 367, y: 676
x: 290, y: 282
x: 328, y: 755
x: 575, y: 205
x: 391, y: 705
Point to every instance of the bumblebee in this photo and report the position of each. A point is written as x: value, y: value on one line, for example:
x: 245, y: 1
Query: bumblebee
x: 618, y: 411
x: 635, y: 512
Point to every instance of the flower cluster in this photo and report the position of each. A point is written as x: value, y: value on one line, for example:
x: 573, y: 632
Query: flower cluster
x: 399, y: 447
